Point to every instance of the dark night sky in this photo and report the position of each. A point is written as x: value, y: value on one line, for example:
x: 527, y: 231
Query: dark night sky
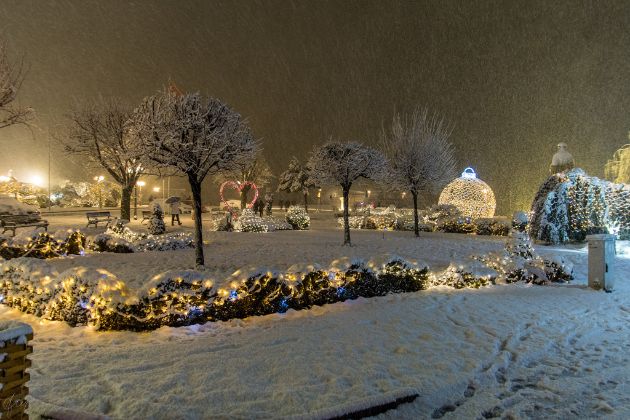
x: 514, y: 78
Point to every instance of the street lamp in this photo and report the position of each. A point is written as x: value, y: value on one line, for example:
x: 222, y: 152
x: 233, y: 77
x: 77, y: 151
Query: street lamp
x: 98, y: 180
x: 139, y: 184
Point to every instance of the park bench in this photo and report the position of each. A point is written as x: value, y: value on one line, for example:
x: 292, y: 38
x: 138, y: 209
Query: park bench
x: 146, y: 215
x: 14, y: 221
x: 96, y: 217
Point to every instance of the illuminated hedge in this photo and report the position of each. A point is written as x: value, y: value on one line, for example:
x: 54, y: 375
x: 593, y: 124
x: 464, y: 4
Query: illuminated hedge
x: 43, y: 245
x: 96, y: 297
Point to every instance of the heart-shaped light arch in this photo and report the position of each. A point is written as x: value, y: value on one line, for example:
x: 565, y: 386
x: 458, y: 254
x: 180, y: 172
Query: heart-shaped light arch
x: 238, y: 186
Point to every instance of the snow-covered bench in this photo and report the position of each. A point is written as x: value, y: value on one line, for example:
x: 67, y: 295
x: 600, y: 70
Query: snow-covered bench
x: 14, y: 221
x: 96, y: 217
x: 14, y: 349
x: 146, y: 215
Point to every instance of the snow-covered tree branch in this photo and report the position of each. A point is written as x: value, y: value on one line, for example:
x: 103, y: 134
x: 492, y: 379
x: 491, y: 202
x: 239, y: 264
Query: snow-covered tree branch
x: 101, y: 134
x: 421, y: 157
x: 196, y: 136
x: 11, y: 78
x: 342, y: 164
x: 296, y: 178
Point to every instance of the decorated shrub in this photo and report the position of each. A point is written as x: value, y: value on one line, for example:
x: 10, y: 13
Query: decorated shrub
x: 298, y: 218
x: 492, y: 226
x: 43, y: 245
x: 456, y: 225
x: 250, y: 222
x: 156, y: 222
x: 569, y: 206
x: 121, y: 239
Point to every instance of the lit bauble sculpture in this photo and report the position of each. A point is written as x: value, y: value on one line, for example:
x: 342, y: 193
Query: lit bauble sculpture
x: 470, y: 195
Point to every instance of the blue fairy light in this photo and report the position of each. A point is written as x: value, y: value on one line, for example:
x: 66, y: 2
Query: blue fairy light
x: 284, y: 306
x: 233, y: 295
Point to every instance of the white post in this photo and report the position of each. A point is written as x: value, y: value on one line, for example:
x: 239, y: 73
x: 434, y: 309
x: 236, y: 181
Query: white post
x: 601, y: 255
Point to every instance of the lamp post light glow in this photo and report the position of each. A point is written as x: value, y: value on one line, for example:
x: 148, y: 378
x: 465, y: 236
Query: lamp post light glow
x: 98, y: 180
x: 139, y: 184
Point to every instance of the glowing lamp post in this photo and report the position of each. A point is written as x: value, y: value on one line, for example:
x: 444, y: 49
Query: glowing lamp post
x: 139, y: 184
x: 98, y: 180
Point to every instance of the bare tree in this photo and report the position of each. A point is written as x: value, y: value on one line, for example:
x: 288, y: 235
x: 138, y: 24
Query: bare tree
x: 101, y: 133
x: 256, y: 170
x: 11, y: 78
x: 195, y: 136
x: 296, y: 178
x: 421, y: 158
x: 343, y: 164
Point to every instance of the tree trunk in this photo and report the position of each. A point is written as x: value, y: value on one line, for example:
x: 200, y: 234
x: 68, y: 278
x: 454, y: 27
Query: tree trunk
x: 415, y: 213
x: 346, y: 221
x: 243, y: 193
x: 306, y: 201
x: 125, y: 202
x: 195, y: 187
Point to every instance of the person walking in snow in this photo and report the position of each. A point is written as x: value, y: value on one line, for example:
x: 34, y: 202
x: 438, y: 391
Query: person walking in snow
x: 175, y: 212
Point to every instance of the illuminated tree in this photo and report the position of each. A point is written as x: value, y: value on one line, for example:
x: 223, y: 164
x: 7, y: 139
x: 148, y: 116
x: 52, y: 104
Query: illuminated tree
x: 195, y: 136
x: 100, y: 132
x: 421, y: 158
x: 296, y: 178
x: 11, y: 78
x: 342, y: 164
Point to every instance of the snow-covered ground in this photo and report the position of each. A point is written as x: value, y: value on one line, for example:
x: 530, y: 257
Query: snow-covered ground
x: 514, y: 351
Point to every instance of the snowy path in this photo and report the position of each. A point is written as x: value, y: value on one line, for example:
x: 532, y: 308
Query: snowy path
x: 514, y: 351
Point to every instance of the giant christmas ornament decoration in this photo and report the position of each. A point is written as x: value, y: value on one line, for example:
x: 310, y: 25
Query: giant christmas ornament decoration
x: 238, y: 186
x: 470, y: 195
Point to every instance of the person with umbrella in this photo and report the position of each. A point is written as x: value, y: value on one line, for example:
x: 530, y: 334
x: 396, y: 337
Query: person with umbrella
x: 174, y: 203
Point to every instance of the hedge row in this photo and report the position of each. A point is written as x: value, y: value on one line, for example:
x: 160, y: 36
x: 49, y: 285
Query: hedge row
x: 83, y: 296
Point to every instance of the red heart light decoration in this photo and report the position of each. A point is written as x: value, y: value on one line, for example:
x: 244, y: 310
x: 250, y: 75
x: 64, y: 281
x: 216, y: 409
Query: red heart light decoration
x: 238, y: 186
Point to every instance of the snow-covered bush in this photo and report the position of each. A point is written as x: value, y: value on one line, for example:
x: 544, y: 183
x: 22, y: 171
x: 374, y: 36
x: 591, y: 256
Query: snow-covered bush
x: 43, y: 245
x: 121, y: 239
x: 520, y: 221
x: 250, y: 222
x: 460, y: 277
x: 298, y: 218
x: 458, y: 224
x: 569, y: 206
x: 492, y: 226
x: 441, y: 212
x: 156, y: 222
x: 520, y: 262
x: 84, y: 296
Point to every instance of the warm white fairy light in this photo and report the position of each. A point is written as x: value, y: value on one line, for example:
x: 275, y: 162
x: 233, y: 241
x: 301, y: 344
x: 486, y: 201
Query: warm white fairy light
x: 473, y: 197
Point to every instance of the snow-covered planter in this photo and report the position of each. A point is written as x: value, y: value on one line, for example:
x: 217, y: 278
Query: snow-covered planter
x: 14, y: 349
x: 298, y: 218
